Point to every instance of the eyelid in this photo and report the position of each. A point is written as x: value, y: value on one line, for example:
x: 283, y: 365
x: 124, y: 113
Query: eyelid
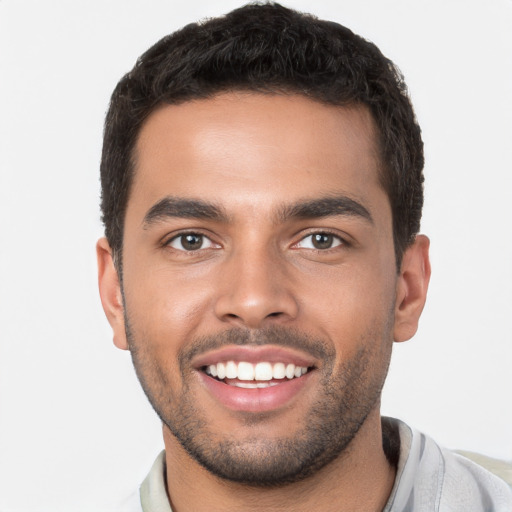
x: 343, y: 241
x: 167, y: 241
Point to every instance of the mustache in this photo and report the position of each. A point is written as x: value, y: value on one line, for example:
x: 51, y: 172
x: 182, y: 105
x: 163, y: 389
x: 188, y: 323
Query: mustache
x: 272, y: 335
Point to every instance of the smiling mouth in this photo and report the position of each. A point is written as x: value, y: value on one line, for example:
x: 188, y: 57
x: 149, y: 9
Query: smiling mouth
x: 255, y: 376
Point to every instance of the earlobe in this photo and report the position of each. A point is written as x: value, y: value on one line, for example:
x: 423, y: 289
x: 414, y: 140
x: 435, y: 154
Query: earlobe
x: 110, y: 292
x: 412, y: 286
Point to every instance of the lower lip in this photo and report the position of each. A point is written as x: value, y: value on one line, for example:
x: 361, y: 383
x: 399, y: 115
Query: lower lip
x: 255, y: 400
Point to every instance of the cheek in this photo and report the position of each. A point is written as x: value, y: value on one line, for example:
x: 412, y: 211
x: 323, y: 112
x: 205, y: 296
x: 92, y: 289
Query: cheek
x: 348, y: 302
x: 165, y: 310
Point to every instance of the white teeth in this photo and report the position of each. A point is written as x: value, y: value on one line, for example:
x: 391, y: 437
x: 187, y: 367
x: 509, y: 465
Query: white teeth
x: 231, y: 370
x: 263, y: 371
x: 221, y: 371
x: 279, y: 371
x: 247, y: 372
x: 246, y: 385
x: 252, y: 385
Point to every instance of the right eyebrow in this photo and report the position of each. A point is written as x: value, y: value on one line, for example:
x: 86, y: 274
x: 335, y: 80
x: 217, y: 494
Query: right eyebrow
x: 176, y: 207
x: 328, y: 206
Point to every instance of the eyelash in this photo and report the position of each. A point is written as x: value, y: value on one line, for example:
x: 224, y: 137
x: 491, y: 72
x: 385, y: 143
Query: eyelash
x: 341, y: 241
x: 176, y: 238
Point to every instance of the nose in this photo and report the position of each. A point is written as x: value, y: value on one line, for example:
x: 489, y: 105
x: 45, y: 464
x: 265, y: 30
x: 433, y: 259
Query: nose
x: 255, y: 289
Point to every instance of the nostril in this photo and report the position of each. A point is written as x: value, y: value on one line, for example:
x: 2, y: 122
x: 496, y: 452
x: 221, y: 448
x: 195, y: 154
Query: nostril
x: 253, y: 309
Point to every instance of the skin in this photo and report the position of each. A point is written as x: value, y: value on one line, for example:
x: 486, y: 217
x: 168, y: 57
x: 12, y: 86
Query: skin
x: 253, y: 156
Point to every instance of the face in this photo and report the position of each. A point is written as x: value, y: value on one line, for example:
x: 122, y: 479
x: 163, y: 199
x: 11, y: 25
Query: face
x: 259, y: 287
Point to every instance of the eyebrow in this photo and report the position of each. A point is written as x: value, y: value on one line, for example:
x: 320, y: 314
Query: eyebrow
x: 170, y: 207
x: 325, y: 207
x: 174, y: 207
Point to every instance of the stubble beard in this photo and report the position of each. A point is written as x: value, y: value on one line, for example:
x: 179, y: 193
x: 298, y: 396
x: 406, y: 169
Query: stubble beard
x: 347, y: 397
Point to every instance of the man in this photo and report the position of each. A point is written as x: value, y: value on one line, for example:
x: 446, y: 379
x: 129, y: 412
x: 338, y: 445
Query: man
x: 262, y: 194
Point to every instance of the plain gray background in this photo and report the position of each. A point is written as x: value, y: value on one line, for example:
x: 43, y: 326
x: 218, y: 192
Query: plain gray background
x: 76, y: 432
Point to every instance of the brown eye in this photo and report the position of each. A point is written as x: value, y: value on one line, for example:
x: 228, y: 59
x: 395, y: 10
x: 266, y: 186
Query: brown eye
x: 320, y: 241
x: 190, y: 242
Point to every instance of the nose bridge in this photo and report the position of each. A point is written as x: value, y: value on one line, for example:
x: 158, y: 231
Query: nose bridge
x: 255, y: 286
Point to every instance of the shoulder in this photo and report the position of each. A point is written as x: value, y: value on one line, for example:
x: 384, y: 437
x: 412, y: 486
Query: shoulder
x: 497, y: 467
x: 467, y: 483
x: 434, y: 479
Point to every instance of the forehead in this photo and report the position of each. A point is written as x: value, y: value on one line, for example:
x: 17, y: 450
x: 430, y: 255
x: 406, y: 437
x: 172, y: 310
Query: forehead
x: 256, y: 150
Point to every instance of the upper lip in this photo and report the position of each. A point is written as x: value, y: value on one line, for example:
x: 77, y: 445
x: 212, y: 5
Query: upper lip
x: 254, y: 354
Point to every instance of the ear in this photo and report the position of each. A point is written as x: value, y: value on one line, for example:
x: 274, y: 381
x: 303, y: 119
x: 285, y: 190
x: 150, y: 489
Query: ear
x: 110, y: 292
x: 411, y: 291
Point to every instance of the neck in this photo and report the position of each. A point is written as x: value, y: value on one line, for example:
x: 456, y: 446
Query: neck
x: 360, y: 479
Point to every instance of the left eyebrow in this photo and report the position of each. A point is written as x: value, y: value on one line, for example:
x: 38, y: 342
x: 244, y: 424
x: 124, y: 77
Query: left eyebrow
x: 325, y: 207
x: 177, y: 207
